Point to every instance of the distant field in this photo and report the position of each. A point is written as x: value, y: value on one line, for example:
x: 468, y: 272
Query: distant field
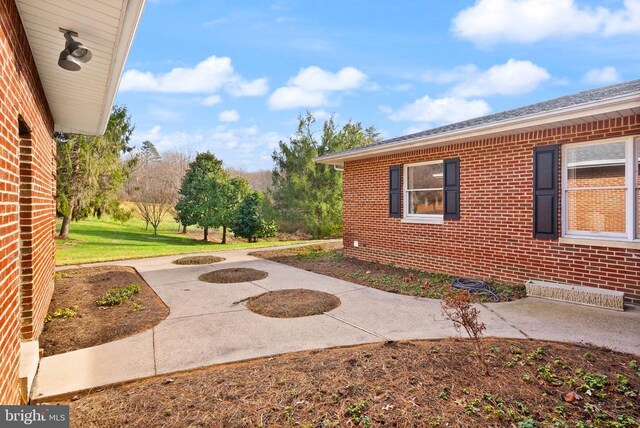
x: 94, y: 240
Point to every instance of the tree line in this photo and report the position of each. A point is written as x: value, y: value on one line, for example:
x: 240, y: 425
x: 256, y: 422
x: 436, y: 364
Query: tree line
x: 107, y: 175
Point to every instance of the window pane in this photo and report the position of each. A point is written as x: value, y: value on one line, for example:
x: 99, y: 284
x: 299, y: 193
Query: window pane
x: 426, y: 202
x: 596, y: 165
x: 425, y: 176
x: 596, y: 210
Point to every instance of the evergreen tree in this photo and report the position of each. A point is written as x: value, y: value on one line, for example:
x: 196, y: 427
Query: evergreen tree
x: 250, y: 220
x: 90, y: 171
x: 199, y: 192
x: 308, y: 195
x: 209, y: 197
x: 231, y: 194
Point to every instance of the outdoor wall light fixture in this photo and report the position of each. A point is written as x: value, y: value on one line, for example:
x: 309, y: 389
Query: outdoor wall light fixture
x: 74, y: 53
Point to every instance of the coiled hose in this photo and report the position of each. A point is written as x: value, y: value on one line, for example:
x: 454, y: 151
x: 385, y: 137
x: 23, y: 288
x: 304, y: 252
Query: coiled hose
x: 475, y: 286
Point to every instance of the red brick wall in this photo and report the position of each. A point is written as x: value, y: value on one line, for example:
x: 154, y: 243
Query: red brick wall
x: 493, y: 239
x: 21, y: 95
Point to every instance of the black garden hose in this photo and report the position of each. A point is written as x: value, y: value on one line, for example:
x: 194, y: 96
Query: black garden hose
x: 475, y: 286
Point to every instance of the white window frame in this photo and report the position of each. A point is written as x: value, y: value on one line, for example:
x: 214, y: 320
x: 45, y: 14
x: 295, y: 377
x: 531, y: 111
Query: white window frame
x: 426, y: 218
x: 631, y: 167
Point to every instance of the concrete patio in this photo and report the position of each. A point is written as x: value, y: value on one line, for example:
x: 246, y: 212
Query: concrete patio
x: 206, y: 327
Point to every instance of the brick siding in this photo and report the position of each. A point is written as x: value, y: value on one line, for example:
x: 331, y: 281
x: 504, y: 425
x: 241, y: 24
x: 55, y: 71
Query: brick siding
x: 493, y: 238
x: 27, y: 188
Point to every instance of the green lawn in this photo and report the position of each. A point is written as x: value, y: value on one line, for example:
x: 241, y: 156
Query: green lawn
x: 102, y: 240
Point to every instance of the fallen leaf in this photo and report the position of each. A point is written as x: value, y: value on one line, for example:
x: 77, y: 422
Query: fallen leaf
x: 572, y: 396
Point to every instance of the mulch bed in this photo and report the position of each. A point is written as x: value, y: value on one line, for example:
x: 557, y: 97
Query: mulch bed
x: 232, y: 275
x: 76, y: 292
x: 198, y: 260
x: 327, y: 259
x: 292, y: 303
x: 397, y: 384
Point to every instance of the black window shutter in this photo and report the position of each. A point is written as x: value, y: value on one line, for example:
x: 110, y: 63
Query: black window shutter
x: 452, y: 189
x: 545, y: 192
x: 395, y: 193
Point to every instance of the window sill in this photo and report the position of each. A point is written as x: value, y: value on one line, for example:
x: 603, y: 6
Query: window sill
x: 422, y: 220
x: 633, y: 245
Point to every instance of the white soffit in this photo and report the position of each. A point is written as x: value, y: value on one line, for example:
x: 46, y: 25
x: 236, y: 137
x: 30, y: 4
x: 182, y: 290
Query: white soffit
x: 81, y: 101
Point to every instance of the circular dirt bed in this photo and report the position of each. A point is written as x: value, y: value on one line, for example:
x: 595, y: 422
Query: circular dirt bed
x: 198, y: 260
x: 293, y: 303
x: 228, y: 276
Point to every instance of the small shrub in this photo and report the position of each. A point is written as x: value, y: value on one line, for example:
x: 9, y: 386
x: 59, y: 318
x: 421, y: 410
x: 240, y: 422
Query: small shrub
x: 357, y: 413
x: 458, y: 307
x: 536, y: 355
x: 117, y: 295
x: 137, y: 305
x: 250, y: 220
x: 62, y: 313
x: 594, y: 381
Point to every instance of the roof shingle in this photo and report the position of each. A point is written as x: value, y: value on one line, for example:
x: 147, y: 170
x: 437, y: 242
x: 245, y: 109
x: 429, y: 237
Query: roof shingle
x: 584, y: 97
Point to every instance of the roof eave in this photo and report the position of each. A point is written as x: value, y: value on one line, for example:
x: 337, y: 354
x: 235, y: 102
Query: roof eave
x: 130, y: 18
x: 574, y: 112
x: 130, y: 21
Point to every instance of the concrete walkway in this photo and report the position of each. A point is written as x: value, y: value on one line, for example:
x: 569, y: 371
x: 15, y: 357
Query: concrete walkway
x: 206, y: 327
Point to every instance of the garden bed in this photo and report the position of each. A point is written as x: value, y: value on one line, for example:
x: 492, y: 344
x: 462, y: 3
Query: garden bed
x: 327, y: 259
x: 292, y: 303
x: 233, y: 275
x: 198, y: 260
x: 127, y: 305
x: 417, y: 383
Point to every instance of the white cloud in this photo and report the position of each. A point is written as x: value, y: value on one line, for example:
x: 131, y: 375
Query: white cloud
x: 164, y: 114
x: 229, y: 116
x: 322, y: 114
x: 253, y: 88
x: 313, y: 87
x: 458, y: 73
x: 511, y: 78
x: 528, y: 21
x: 211, y: 100
x: 438, y: 111
x: 601, y: 76
x: 209, y: 76
x: 242, y: 147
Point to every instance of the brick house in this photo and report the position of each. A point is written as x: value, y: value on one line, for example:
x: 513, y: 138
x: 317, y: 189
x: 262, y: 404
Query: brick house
x: 545, y: 192
x: 37, y: 97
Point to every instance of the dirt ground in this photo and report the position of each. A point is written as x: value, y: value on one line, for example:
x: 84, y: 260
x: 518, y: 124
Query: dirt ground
x: 198, y: 260
x: 232, y: 275
x: 397, y: 384
x: 327, y: 259
x: 76, y: 292
x: 292, y: 303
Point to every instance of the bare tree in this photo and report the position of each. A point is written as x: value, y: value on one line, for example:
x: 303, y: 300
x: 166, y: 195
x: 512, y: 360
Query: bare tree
x: 259, y: 180
x: 154, y: 185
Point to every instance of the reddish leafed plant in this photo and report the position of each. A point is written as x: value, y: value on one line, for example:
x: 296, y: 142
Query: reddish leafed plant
x: 458, y: 307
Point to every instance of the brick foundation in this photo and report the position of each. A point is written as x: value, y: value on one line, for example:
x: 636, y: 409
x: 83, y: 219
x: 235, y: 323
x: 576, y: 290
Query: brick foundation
x: 27, y: 207
x: 493, y: 238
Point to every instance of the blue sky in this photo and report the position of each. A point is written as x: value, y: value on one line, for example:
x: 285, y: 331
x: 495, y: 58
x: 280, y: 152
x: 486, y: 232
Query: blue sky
x: 232, y: 77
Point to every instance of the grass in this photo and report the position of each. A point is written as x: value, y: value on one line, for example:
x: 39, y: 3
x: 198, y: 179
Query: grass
x: 94, y: 240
